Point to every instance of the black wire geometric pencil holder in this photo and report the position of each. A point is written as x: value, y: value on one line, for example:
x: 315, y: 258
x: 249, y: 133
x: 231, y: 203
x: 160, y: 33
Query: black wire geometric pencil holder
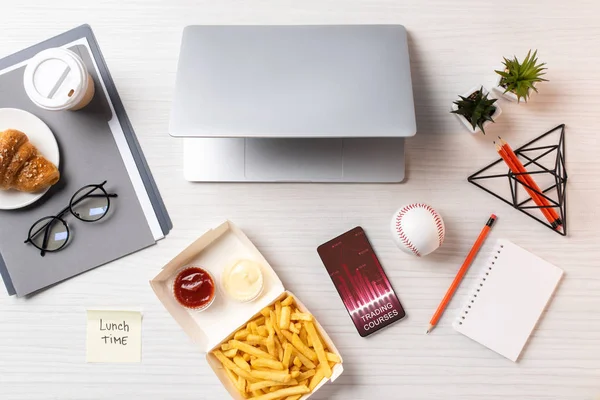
x: 543, y: 166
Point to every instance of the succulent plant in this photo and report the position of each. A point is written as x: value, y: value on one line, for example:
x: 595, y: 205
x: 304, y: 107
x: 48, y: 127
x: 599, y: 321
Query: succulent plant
x: 519, y: 78
x: 476, y: 108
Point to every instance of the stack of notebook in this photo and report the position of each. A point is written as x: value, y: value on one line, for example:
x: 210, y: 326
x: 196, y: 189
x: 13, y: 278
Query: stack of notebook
x: 96, y: 144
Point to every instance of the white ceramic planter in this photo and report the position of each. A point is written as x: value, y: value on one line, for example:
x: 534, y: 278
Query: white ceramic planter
x: 466, y: 123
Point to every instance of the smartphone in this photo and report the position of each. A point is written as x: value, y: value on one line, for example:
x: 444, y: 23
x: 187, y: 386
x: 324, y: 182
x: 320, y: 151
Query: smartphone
x: 361, y: 282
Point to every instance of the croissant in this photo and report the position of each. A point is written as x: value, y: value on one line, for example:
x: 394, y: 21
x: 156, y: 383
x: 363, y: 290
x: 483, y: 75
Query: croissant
x: 22, y: 167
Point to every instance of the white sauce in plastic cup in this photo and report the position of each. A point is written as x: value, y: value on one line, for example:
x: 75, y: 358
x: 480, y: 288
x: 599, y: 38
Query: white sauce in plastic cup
x: 57, y: 80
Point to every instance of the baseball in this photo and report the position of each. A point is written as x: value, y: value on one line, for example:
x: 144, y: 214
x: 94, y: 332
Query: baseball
x: 418, y: 229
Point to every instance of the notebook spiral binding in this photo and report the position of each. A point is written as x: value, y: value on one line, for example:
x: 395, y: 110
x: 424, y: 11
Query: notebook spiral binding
x: 480, y: 283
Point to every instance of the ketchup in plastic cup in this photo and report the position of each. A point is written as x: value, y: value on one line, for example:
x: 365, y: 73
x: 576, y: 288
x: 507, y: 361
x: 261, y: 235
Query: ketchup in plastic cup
x: 194, y: 288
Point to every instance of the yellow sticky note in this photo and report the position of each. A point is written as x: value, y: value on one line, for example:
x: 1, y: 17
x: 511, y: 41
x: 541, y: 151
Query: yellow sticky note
x: 114, y: 336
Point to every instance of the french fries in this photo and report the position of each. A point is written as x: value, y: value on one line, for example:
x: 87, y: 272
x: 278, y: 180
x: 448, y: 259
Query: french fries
x: 305, y: 375
x: 293, y: 329
x: 277, y: 376
x: 278, y: 348
x: 278, y: 311
x: 302, y: 362
x: 267, y: 384
x: 319, y: 349
x: 241, y: 384
x: 278, y: 355
x: 228, y: 364
x: 241, y: 334
x: 287, y: 355
x: 230, y: 353
x: 316, y: 379
x: 333, y: 357
x: 269, y: 325
x: 288, y: 301
x: 253, y: 327
x: 256, y: 340
x: 282, y: 393
x: 304, y: 349
x: 232, y: 377
x: 275, y: 324
x: 298, y: 316
x: 263, y: 331
x: 240, y: 362
x: 264, y: 363
x: 265, y: 312
x: 304, y: 336
x: 246, y: 348
x: 284, y: 321
x: 271, y: 346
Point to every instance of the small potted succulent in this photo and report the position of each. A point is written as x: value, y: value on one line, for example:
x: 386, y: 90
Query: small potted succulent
x: 516, y: 80
x: 475, y: 110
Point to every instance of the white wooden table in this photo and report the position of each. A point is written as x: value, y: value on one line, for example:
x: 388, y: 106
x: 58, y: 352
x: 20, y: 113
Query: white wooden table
x: 454, y: 45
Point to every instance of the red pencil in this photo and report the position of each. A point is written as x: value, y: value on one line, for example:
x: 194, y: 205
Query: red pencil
x: 461, y: 272
x: 510, y: 162
x: 554, y: 219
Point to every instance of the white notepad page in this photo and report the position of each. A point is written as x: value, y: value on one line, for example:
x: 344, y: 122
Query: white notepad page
x: 508, y: 299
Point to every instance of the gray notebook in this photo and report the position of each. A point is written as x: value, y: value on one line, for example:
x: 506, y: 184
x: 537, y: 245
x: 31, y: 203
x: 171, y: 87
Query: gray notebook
x: 96, y: 144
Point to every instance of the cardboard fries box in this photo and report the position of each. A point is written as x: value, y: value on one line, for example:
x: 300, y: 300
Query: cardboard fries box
x: 213, y: 251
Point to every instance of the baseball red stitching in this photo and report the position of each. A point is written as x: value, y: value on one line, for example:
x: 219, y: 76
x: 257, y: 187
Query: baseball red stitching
x: 401, y: 234
x: 438, y: 223
x: 436, y: 217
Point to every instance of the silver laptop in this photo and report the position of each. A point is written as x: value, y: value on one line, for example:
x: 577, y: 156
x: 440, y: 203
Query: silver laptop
x: 294, y: 103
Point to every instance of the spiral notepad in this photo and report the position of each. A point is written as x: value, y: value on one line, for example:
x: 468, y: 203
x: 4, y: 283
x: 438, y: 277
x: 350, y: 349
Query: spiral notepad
x: 508, y: 299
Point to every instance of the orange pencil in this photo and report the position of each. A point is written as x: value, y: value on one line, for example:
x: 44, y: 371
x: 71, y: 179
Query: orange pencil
x: 510, y: 162
x: 555, y: 219
x: 461, y: 272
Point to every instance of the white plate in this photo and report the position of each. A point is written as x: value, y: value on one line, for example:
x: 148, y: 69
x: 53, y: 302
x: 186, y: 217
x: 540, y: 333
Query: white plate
x: 41, y: 137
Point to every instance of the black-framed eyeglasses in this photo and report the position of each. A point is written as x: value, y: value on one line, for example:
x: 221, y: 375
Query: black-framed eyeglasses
x: 89, y: 204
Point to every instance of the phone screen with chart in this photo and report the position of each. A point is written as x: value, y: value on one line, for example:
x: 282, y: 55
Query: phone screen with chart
x: 361, y: 282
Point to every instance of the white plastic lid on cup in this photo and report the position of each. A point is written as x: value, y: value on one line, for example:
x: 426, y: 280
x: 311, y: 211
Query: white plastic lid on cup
x: 55, y: 79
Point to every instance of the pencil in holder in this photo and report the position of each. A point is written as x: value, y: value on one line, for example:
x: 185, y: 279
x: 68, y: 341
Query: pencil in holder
x: 544, y: 159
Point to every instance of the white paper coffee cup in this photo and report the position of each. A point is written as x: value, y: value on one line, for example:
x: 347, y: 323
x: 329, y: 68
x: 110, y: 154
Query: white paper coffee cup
x: 57, y: 79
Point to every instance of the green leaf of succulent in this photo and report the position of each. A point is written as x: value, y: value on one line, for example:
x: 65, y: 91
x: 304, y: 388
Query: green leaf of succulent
x: 476, y: 108
x: 519, y: 78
